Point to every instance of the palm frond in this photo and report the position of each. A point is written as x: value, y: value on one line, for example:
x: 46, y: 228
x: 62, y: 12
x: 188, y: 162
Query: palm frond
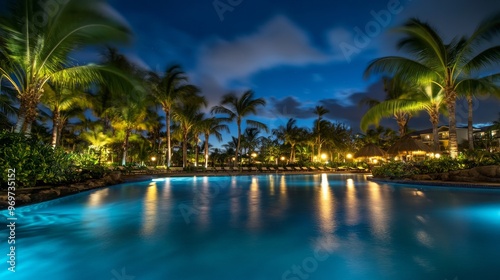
x: 257, y: 124
x: 387, y: 109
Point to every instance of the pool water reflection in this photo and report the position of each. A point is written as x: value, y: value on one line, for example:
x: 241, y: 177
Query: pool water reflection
x: 261, y: 227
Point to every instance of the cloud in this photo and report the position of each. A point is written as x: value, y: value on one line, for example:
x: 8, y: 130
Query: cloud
x: 277, y: 43
x: 289, y: 107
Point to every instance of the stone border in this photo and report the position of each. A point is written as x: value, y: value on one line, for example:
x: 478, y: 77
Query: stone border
x: 44, y: 193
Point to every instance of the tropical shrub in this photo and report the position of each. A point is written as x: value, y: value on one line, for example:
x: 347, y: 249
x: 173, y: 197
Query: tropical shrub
x: 395, y: 170
x: 399, y: 170
x: 36, y: 163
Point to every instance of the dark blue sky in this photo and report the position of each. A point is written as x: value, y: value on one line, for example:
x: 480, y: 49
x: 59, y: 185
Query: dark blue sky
x: 293, y: 53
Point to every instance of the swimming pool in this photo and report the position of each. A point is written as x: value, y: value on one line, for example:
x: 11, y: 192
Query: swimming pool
x: 260, y: 227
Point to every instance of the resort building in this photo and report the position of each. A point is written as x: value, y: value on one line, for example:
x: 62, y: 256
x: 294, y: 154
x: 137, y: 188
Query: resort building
x: 487, y: 137
x: 443, y: 132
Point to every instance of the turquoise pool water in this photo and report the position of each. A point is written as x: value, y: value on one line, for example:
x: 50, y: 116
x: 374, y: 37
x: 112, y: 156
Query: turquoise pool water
x: 260, y: 227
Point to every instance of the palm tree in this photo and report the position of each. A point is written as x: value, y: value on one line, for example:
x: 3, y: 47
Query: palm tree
x: 440, y: 63
x: 320, y: 111
x: 236, y: 108
x: 33, y: 54
x: 471, y: 87
x: 59, y: 99
x: 97, y: 139
x: 130, y: 116
x: 289, y: 135
x: 395, y: 89
x: 168, y: 90
x: 212, y: 126
x: 188, y: 115
x: 429, y: 98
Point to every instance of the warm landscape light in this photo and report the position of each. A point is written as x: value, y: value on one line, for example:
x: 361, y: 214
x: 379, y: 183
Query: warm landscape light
x: 437, y: 155
x: 349, y: 156
x: 323, y: 156
x: 254, y: 155
x: 282, y: 158
x: 153, y: 158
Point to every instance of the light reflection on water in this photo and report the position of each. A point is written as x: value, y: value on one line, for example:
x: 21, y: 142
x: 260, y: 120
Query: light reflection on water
x: 235, y: 224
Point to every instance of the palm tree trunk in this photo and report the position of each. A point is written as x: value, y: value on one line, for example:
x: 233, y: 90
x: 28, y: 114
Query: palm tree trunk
x: 402, y: 119
x: 207, y: 136
x: 184, y: 149
x: 55, y: 127
x: 451, y: 98
x: 470, y: 129
x: 169, y: 149
x: 59, y: 134
x: 20, y: 121
x: 125, y: 147
x: 239, y: 141
x: 28, y: 109
x: 319, y: 145
x: 196, y: 150
x: 434, y: 118
x: 291, y: 153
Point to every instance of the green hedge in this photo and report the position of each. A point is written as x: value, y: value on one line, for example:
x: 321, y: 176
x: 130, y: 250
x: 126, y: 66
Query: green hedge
x: 36, y: 163
x: 401, y: 170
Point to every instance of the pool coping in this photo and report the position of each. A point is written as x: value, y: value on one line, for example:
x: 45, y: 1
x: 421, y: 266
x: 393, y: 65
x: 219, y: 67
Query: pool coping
x: 439, y: 183
x: 146, y: 177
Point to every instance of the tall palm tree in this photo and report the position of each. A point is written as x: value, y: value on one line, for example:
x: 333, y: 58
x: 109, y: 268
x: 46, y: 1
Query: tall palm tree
x: 33, y: 54
x: 429, y: 98
x: 289, y: 135
x: 212, y: 126
x: 59, y: 99
x: 188, y: 115
x: 237, y: 108
x: 320, y: 111
x: 442, y: 64
x: 130, y: 116
x: 395, y: 89
x: 472, y: 87
x: 168, y: 90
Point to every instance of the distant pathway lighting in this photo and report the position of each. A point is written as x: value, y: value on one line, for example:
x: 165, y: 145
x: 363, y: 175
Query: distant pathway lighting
x: 375, y: 161
x: 282, y: 158
x: 323, y: 156
x: 349, y: 156
x: 153, y: 158
x: 254, y: 155
x: 437, y: 155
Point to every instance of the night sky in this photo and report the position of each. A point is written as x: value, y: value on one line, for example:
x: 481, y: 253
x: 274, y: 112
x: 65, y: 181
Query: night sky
x: 293, y: 53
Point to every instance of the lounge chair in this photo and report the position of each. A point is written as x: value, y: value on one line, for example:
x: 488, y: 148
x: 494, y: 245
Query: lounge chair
x: 321, y: 168
x: 296, y: 168
x: 312, y: 168
x: 281, y: 168
x: 253, y: 168
x: 264, y: 169
x: 341, y: 168
x: 219, y: 169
